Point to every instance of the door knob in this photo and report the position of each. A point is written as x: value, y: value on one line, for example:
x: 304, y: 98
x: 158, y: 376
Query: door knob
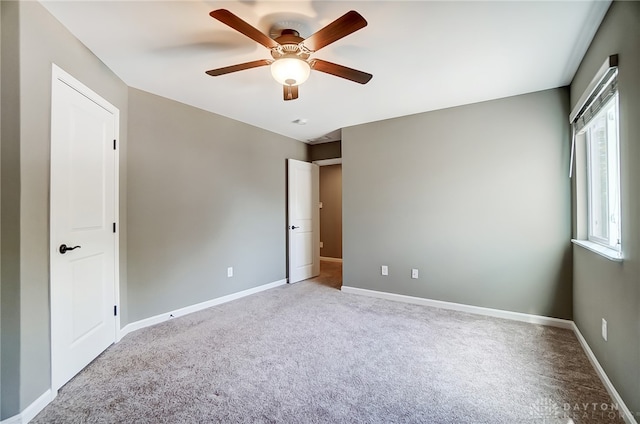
x: 293, y: 227
x: 63, y: 248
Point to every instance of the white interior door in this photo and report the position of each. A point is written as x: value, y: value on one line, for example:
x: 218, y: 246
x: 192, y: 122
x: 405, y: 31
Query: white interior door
x: 83, y: 217
x: 304, y: 220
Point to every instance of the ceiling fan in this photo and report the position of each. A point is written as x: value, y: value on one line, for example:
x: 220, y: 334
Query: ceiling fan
x: 291, y: 63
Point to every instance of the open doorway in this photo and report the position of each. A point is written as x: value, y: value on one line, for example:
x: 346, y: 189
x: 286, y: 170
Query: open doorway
x: 331, y: 223
x: 331, y: 213
x: 329, y: 158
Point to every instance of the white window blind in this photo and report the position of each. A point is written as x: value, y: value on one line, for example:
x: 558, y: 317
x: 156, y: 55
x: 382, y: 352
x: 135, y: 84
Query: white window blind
x: 601, y: 88
x: 608, y: 90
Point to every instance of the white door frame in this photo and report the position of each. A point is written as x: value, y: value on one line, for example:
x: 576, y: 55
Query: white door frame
x: 59, y: 75
x: 327, y: 162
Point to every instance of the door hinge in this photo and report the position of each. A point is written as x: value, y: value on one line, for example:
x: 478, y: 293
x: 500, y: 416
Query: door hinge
x: 114, y: 145
x: 114, y: 227
x: 115, y: 310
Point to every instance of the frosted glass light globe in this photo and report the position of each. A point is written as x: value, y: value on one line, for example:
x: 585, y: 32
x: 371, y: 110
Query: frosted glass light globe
x: 290, y: 71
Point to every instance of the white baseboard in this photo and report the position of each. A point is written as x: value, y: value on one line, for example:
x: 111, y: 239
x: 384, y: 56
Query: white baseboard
x: 498, y: 313
x: 32, y: 410
x: 39, y: 404
x: 627, y: 414
x: 195, y: 308
x: 16, y: 419
x: 516, y: 316
x: 328, y: 259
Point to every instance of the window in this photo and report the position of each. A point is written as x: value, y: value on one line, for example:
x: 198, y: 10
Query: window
x: 596, y: 153
x: 603, y: 196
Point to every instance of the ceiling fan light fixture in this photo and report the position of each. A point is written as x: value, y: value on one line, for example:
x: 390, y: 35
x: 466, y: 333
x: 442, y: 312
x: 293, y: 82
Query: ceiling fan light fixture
x: 290, y: 71
x: 291, y: 53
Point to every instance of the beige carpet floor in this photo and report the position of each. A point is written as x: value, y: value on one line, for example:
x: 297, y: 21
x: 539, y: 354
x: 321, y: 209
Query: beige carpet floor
x: 308, y: 353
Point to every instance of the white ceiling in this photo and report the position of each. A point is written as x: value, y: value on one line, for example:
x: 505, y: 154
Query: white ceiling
x: 424, y: 55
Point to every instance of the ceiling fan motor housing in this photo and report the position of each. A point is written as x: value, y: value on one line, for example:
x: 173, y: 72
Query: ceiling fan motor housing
x: 290, y: 45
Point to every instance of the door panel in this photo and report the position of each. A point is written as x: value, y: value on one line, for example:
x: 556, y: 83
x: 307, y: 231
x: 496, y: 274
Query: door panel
x: 305, y: 256
x: 83, y: 211
x: 304, y: 220
x: 86, y: 297
x: 87, y: 169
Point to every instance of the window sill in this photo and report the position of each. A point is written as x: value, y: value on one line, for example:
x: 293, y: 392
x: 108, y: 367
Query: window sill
x: 611, y: 254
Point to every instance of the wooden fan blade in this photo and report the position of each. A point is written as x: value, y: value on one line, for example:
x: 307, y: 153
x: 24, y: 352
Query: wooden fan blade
x: 341, y: 71
x: 239, y: 67
x: 346, y: 24
x: 290, y: 92
x: 228, y: 18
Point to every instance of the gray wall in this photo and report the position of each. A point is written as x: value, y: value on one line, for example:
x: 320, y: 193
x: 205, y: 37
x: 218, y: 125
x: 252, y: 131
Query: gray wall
x: 10, y: 272
x: 321, y: 151
x: 34, y: 39
x: 605, y: 289
x: 234, y: 196
x: 205, y: 193
x: 476, y: 197
x: 331, y: 212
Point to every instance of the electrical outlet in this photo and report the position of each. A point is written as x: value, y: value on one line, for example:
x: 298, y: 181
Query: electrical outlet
x: 384, y: 270
x: 230, y: 271
x: 604, y: 329
x: 414, y: 273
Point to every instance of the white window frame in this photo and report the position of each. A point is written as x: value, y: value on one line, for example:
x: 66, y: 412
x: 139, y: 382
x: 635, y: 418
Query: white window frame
x: 612, y: 240
x: 600, y: 95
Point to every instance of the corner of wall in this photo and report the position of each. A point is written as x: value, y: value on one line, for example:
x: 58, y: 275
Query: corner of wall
x: 605, y: 289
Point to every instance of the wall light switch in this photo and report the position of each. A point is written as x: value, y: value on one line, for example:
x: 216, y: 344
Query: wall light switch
x: 230, y: 271
x: 384, y: 270
x: 604, y: 329
x: 321, y: 245
x: 414, y: 273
